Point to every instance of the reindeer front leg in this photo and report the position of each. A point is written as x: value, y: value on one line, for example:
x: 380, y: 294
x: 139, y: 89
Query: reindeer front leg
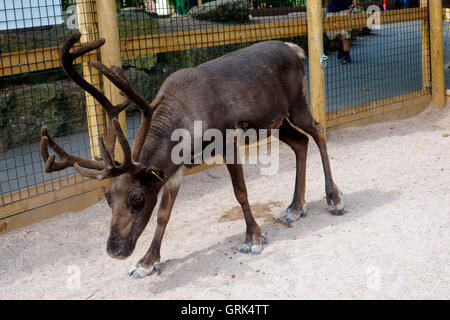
x: 151, y: 261
x: 253, y: 238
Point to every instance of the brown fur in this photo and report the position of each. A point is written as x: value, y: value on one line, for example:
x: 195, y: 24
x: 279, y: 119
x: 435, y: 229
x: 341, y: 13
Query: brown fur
x: 256, y: 87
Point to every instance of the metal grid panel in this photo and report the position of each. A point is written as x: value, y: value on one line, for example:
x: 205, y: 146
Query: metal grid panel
x: 388, y: 64
x: 29, y: 100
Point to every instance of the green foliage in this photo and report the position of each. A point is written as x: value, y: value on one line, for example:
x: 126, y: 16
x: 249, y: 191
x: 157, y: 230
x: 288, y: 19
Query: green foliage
x: 24, y: 111
x: 282, y: 3
x: 136, y: 23
x: 32, y: 38
x: 222, y: 11
x: 66, y: 3
x: 130, y: 3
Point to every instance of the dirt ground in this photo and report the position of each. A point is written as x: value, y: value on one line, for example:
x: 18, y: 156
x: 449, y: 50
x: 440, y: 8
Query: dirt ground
x: 392, y: 242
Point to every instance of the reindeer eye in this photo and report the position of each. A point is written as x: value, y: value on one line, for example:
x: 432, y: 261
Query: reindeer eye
x: 136, y: 202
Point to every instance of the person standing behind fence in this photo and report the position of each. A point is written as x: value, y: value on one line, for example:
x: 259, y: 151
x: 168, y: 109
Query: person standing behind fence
x: 341, y: 8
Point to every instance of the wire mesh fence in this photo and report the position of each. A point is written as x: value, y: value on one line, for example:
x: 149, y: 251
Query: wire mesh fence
x: 386, y: 62
x: 159, y: 37
x: 34, y: 91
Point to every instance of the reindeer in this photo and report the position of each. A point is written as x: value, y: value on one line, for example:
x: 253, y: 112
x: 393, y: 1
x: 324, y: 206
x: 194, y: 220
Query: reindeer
x: 262, y: 86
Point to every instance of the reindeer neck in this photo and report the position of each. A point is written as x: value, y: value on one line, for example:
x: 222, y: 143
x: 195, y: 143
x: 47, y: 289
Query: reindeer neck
x: 157, y: 147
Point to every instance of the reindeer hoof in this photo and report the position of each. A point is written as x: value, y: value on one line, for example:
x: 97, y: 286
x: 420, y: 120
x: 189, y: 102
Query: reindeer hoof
x: 256, y: 250
x: 245, y: 248
x: 337, y: 209
x: 138, y: 272
x: 291, y: 215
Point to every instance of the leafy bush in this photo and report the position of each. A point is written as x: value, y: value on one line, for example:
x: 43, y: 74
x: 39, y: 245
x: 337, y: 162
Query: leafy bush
x: 222, y: 11
x: 23, y: 112
x: 282, y: 3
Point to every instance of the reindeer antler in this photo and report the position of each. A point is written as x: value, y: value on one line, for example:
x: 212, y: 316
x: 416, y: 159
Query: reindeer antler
x: 65, y: 160
x: 117, y: 76
x: 105, y: 167
x: 110, y: 169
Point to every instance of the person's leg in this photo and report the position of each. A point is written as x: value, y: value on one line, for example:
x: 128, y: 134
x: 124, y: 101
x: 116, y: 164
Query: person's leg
x: 346, y: 51
x: 346, y: 45
x: 345, y: 35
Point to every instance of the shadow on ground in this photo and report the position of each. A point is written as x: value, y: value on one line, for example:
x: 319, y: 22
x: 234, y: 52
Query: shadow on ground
x: 179, y: 272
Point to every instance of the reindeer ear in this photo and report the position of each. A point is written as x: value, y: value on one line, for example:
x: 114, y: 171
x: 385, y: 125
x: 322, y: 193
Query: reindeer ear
x: 153, y: 175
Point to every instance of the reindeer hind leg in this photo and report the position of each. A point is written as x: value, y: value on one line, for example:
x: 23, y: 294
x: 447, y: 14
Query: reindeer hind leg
x: 299, y: 144
x: 301, y: 117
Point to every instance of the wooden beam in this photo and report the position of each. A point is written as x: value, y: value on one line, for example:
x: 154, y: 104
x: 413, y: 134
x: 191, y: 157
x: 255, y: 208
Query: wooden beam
x: 370, y: 111
x: 355, y: 21
x: 437, y: 53
x: 110, y: 52
x: 74, y: 203
x: 95, y: 118
x: 400, y: 111
x: 35, y: 60
x: 315, y: 50
x: 49, y: 192
x: 175, y: 41
x: 41, y: 59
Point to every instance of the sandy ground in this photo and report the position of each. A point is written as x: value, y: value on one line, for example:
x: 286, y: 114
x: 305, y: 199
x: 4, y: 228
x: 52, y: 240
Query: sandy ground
x: 392, y: 242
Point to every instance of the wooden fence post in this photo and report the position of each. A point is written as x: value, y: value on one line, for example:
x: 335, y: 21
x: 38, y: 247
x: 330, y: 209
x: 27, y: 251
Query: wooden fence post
x: 315, y: 50
x: 110, y: 52
x: 95, y: 117
x: 437, y: 53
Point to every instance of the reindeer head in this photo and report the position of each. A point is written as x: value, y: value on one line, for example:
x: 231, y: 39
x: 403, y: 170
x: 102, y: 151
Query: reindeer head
x: 132, y: 199
x: 133, y: 192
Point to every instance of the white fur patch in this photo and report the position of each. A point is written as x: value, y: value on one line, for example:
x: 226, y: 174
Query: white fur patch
x: 299, y: 51
x: 175, y: 180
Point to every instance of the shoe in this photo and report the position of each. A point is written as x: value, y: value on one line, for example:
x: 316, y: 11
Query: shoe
x: 346, y: 58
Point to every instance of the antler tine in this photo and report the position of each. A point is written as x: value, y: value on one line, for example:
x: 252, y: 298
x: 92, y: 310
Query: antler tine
x: 119, y: 71
x: 65, y: 160
x: 127, y: 163
x: 66, y: 59
x: 116, y: 75
x: 143, y: 130
x: 106, y: 168
x: 110, y: 170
